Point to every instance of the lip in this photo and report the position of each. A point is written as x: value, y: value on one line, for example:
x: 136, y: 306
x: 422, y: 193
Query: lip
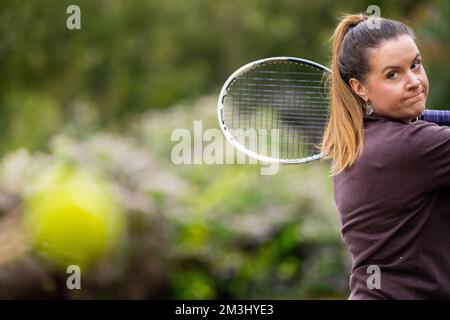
x: 413, y: 96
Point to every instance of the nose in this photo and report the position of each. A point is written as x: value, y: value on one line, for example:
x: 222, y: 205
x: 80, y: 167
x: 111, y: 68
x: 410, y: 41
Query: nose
x: 413, y: 82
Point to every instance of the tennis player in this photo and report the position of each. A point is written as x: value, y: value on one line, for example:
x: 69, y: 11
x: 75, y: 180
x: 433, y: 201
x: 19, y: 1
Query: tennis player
x: 391, y: 173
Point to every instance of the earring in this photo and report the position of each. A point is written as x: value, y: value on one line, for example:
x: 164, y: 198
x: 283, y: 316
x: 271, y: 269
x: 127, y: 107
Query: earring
x: 368, y: 108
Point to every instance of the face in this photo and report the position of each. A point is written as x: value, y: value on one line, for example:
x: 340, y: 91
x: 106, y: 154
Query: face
x: 397, y: 85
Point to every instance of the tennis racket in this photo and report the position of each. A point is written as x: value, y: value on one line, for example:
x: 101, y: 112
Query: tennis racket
x: 276, y: 109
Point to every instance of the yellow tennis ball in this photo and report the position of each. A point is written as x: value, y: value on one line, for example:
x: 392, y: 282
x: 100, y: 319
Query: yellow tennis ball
x: 71, y: 216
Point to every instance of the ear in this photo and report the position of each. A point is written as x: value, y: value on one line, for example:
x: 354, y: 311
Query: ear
x: 358, y: 88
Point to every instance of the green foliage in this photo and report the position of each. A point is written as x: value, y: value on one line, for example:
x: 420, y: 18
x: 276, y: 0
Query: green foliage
x: 253, y: 236
x: 195, y: 231
x: 25, y: 111
x: 131, y: 56
x: 100, y: 97
x: 434, y: 40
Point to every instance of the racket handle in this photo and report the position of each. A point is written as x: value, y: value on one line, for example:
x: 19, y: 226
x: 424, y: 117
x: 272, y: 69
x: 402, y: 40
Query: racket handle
x: 441, y: 117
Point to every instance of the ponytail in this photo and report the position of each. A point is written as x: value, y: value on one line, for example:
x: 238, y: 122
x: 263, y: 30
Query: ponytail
x: 343, y: 138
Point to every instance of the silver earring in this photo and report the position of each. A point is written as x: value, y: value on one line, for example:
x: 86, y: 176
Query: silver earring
x: 368, y: 108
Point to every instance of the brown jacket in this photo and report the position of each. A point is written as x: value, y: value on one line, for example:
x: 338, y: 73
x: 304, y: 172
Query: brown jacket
x: 394, y: 204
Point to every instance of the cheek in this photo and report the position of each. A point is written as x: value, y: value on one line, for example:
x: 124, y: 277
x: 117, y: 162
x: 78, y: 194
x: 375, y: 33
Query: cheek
x: 424, y: 81
x: 383, y: 94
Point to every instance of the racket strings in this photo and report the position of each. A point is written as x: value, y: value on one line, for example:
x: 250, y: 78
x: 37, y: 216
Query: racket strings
x: 281, y: 106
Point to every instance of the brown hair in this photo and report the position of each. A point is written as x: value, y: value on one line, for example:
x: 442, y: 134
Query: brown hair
x: 343, y: 138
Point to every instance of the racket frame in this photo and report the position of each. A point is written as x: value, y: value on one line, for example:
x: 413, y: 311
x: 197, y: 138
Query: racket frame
x: 220, y: 109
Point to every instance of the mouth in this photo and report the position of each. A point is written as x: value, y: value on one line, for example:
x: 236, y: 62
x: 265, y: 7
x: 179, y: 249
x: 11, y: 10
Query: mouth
x: 415, y: 95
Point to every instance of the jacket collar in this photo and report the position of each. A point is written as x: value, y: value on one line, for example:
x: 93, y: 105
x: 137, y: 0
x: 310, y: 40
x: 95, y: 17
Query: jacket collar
x: 376, y: 117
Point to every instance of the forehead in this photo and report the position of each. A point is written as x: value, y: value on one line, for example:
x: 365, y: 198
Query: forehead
x: 395, y: 51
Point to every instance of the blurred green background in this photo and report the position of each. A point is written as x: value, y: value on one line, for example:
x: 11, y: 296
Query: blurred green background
x: 109, y: 96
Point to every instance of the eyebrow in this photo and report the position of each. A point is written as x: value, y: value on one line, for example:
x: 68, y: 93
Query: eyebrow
x: 397, y: 67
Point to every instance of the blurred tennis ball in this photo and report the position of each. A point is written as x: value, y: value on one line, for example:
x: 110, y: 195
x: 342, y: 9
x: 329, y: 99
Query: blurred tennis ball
x: 71, y: 217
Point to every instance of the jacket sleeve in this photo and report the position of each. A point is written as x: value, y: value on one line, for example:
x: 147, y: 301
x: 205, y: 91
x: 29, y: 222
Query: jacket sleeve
x: 431, y: 151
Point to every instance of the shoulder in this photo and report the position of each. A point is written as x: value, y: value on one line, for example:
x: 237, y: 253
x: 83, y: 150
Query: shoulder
x: 430, y: 144
x: 425, y: 125
x: 393, y: 141
x: 427, y: 133
x: 416, y: 134
x: 384, y: 136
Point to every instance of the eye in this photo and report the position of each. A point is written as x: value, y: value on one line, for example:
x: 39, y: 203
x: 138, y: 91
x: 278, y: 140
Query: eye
x: 392, y: 75
x: 416, y: 64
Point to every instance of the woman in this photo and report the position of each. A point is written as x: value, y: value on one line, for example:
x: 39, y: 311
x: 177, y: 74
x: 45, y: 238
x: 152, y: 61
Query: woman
x: 391, y: 173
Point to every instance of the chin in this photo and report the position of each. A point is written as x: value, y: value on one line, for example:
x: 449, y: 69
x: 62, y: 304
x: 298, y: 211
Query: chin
x: 420, y: 110
x: 417, y: 109
x: 413, y: 113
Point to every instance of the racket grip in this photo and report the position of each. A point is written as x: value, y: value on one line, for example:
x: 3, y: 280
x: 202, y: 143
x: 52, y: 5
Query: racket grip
x: 441, y: 117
